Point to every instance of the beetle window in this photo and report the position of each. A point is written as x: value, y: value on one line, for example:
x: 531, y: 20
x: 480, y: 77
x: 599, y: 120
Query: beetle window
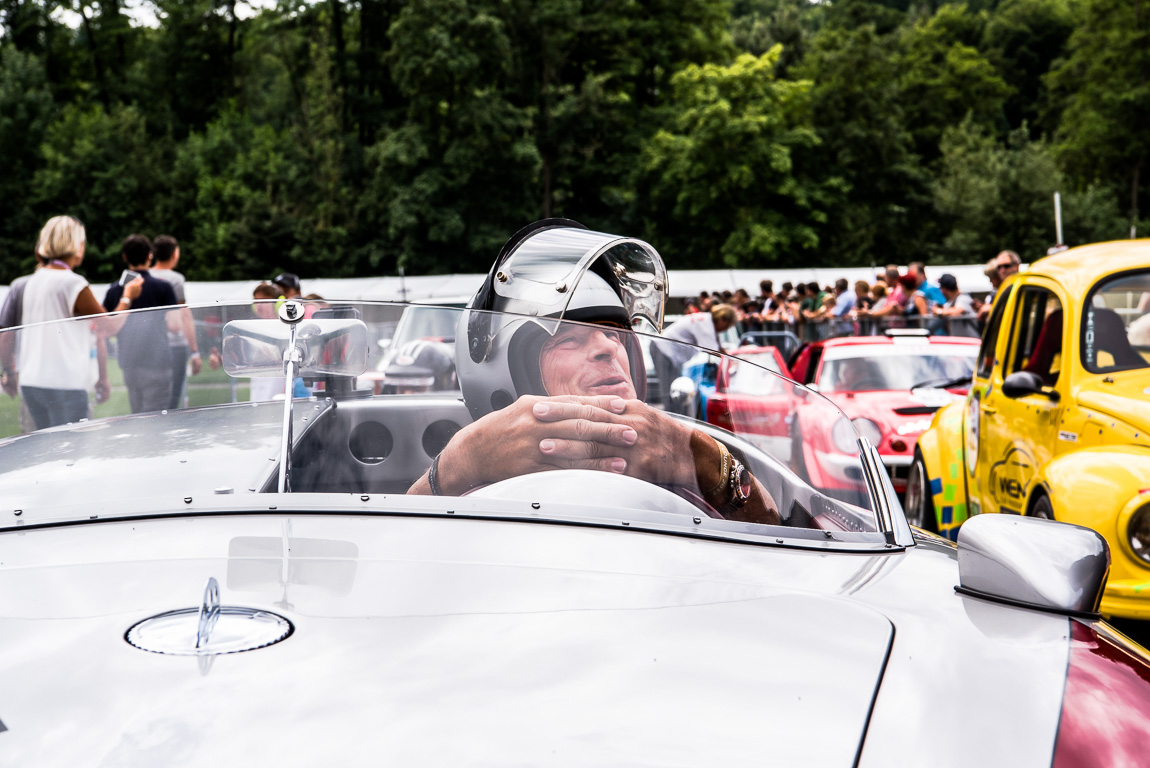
x: 1037, y: 346
x: 1116, y: 325
x: 990, y: 338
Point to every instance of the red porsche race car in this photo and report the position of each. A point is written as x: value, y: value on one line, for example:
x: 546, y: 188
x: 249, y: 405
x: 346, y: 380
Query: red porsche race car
x: 889, y: 386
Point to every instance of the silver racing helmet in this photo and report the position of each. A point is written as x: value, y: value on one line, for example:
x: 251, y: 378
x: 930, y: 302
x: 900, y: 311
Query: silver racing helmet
x: 552, y: 271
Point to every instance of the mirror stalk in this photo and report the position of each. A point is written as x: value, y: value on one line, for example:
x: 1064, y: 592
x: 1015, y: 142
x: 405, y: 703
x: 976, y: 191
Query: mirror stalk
x: 291, y: 312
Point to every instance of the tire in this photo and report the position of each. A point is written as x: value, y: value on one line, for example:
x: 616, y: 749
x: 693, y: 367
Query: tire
x: 919, y: 504
x: 1041, y: 508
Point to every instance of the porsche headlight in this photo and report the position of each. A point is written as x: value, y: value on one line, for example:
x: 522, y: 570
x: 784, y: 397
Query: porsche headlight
x: 1139, y: 533
x: 844, y: 437
x: 868, y: 429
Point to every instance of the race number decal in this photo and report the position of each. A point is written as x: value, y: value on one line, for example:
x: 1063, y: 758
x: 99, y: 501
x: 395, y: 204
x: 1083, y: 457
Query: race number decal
x: 973, y: 425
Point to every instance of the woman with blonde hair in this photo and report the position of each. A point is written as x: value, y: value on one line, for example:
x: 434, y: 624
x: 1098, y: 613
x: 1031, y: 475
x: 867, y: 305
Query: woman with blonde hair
x: 54, y: 361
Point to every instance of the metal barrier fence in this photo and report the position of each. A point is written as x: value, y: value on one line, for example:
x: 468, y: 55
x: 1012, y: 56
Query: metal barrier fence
x: 834, y: 327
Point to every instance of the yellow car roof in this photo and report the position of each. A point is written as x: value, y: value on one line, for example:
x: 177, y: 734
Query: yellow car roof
x: 1080, y: 268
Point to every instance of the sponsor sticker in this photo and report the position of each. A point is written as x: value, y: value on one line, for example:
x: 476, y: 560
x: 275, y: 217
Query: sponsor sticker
x: 1070, y: 437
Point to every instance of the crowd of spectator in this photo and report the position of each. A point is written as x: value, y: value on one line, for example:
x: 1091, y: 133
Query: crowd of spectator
x: 898, y: 298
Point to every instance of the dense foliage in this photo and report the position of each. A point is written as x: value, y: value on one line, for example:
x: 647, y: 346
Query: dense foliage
x: 344, y: 138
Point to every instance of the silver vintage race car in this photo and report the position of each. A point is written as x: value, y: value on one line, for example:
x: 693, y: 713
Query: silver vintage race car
x: 540, y: 568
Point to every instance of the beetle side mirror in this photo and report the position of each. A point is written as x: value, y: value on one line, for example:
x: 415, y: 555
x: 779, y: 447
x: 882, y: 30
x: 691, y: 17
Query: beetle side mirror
x: 1023, y: 383
x: 1031, y: 562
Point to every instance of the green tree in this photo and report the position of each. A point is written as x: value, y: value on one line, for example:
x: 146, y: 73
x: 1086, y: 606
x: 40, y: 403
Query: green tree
x: 1103, y: 87
x: 883, y: 210
x: 458, y: 175
x: 943, y: 77
x: 722, y: 179
x: 26, y: 111
x: 100, y: 166
x: 998, y: 195
x: 1023, y: 38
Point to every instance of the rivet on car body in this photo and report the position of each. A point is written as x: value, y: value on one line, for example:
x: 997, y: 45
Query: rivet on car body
x: 535, y: 505
x: 778, y: 541
x: 451, y: 511
x: 187, y: 499
x: 697, y: 520
x: 561, y: 287
x: 18, y: 512
x: 625, y: 523
x: 828, y: 534
x: 222, y: 490
x: 365, y: 497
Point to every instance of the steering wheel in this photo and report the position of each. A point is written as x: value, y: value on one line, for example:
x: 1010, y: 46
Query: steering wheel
x: 865, y: 384
x: 599, y: 490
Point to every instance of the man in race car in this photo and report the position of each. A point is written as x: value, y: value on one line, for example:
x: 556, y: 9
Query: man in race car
x: 577, y: 404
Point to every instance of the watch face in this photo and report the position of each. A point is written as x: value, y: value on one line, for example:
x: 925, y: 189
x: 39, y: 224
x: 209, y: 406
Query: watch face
x: 742, y: 484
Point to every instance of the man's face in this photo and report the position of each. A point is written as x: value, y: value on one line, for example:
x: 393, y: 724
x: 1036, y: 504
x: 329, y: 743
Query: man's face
x: 586, y: 361
x: 1006, y: 267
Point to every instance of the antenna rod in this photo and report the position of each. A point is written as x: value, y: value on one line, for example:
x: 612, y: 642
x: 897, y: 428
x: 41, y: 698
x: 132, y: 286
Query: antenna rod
x: 1058, y: 217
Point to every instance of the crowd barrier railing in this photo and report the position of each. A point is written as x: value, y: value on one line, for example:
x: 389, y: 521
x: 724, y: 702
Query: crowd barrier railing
x: 787, y: 336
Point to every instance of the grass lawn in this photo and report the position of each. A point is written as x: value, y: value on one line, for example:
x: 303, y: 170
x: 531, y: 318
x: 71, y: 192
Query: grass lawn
x: 208, y: 388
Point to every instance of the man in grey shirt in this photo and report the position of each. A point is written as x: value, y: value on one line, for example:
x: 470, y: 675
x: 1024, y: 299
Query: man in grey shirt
x: 181, y: 325
x: 959, y: 308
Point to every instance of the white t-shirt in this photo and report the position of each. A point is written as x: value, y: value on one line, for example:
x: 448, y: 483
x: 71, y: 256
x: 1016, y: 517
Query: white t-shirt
x: 697, y: 329
x: 56, y: 356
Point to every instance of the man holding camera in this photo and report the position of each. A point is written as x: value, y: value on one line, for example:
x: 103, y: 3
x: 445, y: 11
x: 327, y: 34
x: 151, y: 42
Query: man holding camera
x: 142, y: 344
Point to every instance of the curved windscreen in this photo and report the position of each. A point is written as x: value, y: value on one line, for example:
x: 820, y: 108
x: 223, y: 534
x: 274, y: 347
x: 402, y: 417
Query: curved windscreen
x: 581, y: 415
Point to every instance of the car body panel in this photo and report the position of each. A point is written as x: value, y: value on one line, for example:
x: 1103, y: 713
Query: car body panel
x: 518, y: 634
x: 1084, y: 444
x: 941, y: 447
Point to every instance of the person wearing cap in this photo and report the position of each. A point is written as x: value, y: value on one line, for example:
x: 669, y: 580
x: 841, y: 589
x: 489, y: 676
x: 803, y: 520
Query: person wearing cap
x: 288, y: 284
x: 959, y: 307
x: 549, y: 394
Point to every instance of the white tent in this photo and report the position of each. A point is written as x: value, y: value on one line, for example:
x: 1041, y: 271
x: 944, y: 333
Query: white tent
x: 684, y: 283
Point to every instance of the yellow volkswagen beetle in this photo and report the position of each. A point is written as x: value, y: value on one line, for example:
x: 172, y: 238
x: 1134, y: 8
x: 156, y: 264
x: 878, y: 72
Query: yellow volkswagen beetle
x: 1057, y: 422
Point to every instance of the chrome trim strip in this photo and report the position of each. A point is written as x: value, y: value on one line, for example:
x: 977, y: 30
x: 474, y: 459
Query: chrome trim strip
x: 888, y: 510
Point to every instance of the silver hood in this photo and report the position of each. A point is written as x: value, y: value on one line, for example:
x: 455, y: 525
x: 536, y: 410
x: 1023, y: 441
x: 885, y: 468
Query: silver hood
x: 434, y: 642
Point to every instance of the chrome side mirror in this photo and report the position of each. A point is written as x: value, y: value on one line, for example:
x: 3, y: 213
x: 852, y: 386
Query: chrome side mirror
x: 256, y: 348
x: 1034, y: 563
x: 684, y: 396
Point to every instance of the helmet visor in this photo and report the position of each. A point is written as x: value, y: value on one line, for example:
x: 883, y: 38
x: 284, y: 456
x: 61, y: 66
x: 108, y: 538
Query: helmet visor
x: 540, y: 276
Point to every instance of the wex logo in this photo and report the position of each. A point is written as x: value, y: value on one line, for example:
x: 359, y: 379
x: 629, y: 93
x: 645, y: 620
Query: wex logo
x: 1010, y: 475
